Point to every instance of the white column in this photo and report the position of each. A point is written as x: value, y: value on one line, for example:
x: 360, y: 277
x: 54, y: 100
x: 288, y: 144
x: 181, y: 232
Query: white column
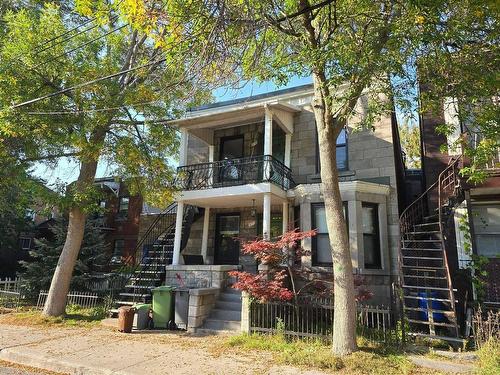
x: 268, y: 141
x: 211, y: 170
x: 288, y: 149
x: 183, y: 147
x: 204, y: 236
x: 285, y: 217
x: 178, y: 233
x: 266, y: 217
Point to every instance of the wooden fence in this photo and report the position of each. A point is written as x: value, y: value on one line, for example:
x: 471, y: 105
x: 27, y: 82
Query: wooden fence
x: 313, y: 318
x: 83, y: 299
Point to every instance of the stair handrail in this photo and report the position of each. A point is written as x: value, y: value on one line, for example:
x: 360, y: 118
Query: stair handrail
x: 172, y: 208
x: 417, y: 209
x: 443, y: 187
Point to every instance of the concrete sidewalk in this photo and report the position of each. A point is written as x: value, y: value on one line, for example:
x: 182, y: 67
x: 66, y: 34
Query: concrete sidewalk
x: 104, y: 351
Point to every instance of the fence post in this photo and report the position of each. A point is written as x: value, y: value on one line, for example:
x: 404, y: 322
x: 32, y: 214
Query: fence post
x: 245, y: 312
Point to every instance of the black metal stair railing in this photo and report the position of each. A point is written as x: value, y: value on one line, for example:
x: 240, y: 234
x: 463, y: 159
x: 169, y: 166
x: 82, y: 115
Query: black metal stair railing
x: 233, y: 172
x: 444, y: 194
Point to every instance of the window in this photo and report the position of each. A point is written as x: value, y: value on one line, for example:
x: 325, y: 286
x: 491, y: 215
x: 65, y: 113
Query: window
x: 25, y: 243
x: 321, y: 251
x: 123, y: 207
x: 341, y: 152
x: 118, y: 251
x: 371, y: 237
x: 276, y: 225
x: 486, y: 221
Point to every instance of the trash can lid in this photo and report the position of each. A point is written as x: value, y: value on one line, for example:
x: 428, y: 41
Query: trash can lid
x: 163, y: 288
x: 141, y: 306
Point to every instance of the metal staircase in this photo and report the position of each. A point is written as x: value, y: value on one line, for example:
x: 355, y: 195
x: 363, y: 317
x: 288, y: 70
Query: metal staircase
x: 425, y: 278
x: 153, y: 252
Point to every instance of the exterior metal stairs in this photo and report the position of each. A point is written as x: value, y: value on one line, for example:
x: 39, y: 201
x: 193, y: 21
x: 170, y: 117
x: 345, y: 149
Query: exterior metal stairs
x: 425, y: 278
x: 153, y: 252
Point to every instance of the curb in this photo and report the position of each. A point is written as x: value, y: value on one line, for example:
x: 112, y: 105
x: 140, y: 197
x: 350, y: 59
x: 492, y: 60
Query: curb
x: 51, y: 364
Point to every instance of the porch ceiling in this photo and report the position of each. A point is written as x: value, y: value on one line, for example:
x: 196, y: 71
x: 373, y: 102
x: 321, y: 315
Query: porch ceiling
x: 234, y: 196
x: 224, y: 117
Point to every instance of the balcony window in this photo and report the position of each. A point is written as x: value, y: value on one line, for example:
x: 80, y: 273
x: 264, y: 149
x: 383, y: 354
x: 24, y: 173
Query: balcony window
x: 118, y: 248
x: 321, y: 250
x: 371, y: 236
x: 123, y: 207
x: 342, y: 164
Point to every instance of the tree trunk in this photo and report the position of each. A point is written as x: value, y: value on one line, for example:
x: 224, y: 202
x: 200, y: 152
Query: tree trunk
x: 59, y: 287
x: 344, y: 326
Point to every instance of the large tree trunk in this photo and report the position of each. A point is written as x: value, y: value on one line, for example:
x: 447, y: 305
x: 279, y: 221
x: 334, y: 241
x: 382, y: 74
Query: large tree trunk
x: 59, y: 287
x: 344, y: 326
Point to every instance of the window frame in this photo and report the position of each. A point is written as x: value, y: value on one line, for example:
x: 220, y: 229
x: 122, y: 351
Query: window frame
x: 122, y: 213
x: 345, y: 145
x: 378, y: 247
x: 314, y: 239
x: 114, y: 254
x: 21, y: 240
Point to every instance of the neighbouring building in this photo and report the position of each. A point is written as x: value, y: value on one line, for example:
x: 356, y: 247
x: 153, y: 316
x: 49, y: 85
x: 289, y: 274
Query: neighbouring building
x: 119, y: 214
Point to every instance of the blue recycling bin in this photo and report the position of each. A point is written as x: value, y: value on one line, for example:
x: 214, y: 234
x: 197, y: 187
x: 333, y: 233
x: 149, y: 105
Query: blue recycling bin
x: 435, y: 305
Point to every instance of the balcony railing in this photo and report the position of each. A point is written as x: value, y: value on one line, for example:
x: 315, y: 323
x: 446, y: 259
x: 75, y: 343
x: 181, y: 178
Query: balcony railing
x: 233, y: 172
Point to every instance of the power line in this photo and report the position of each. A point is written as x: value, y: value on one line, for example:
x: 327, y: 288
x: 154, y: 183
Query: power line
x: 80, y: 46
x: 65, y: 33
x: 49, y: 113
x: 87, y: 83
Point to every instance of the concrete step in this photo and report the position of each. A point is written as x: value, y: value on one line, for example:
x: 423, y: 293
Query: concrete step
x: 230, y: 297
x: 225, y: 314
x: 222, y: 325
x: 232, y: 291
x: 225, y: 305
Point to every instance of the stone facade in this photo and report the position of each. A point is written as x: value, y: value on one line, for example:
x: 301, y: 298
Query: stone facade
x: 201, y: 302
x: 370, y: 159
x: 198, y: 276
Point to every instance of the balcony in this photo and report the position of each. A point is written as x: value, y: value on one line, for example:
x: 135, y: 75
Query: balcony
x: 235, y: 172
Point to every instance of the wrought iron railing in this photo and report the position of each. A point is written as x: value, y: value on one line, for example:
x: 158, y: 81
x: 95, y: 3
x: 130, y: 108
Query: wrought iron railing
x: 446, y: 192
x: 233, y: 172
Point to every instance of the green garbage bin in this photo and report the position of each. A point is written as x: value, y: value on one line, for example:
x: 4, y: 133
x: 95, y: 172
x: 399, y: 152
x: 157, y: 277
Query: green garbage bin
x: 162, y: 306
x: 142, y: 315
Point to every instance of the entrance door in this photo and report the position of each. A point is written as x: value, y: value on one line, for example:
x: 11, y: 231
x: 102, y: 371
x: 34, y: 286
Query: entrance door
x: 230, y: 148
x: 227, y: 247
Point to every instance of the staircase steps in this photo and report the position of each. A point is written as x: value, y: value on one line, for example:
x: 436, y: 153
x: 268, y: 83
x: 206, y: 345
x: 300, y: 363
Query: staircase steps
x: 226, y: 316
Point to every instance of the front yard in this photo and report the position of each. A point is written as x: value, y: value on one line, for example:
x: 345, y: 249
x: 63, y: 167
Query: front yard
x: 80, y: 340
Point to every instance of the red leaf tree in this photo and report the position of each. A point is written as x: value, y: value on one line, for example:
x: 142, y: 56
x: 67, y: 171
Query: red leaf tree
x: 284, y: 279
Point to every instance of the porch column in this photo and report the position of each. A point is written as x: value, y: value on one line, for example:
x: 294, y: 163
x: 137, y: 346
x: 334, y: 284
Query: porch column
x: 204, y: 236
x: 285, y: 217
x: 178, y: 233
x: 288, y: 149
x: 266, y: 217
x: 268, y: 141
x: 183, y: 147
x: 211, y: 169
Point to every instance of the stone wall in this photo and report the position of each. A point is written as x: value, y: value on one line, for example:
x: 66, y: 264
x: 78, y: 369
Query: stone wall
x: 198, y: 276
x: 201, y: 302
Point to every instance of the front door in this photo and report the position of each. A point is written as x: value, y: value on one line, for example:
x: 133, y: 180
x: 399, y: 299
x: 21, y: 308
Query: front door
x: 227, y: 246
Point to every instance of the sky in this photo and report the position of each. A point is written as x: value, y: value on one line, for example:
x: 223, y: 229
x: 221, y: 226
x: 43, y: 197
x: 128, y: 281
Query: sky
x: 67, y: 171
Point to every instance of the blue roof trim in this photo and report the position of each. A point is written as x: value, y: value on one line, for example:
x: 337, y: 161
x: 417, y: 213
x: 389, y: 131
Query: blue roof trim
x: 252, y: 98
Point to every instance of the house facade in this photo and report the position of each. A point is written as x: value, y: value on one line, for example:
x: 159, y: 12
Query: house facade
x: 252, y: 166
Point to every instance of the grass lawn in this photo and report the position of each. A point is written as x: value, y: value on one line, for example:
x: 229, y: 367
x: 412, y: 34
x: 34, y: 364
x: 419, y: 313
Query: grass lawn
x: 75, y: 317
x: 372, y: 358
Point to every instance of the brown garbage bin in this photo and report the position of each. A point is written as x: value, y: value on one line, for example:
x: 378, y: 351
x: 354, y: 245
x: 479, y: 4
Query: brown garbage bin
x: 125, y: 318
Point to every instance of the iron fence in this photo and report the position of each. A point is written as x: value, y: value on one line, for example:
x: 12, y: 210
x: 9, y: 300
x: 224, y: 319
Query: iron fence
x: 313, y: 318
x: 82, y: 299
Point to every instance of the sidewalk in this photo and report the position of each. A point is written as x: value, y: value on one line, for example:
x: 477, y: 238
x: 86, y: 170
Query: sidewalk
x: 104, y: 351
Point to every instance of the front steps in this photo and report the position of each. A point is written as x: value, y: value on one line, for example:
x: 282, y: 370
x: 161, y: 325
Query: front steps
x: 226, y: 316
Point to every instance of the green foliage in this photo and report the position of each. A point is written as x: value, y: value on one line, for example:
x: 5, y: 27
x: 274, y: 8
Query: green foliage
x: 477, y: 264
x: 118, y: 121
x: 489, y: 358
x: 94, y: 255
x: 410, y: 142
